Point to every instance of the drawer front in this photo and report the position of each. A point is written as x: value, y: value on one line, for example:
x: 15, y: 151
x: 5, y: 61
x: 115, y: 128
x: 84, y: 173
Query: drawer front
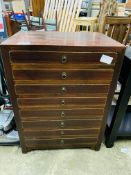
x: 54, y: 114
x: 57, y: 124
x: 84, y: 90
x: 61, y: 143
x: 61, y: 102
x: 59, y: 58
x: 61, y: 96
x: 61, y: 133
x: 63, y: 76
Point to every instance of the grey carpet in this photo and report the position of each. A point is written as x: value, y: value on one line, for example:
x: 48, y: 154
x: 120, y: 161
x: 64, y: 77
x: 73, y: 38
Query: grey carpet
x: 67, y: 162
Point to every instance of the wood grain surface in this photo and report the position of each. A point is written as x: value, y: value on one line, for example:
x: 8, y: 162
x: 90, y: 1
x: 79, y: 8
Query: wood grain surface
x: 55, y: 114
x: 64, y: 90
x: 77, y: 39
x: 60, y: 91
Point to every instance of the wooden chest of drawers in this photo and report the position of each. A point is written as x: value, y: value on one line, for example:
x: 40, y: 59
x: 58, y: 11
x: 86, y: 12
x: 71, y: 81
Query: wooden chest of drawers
x: 60, y: 90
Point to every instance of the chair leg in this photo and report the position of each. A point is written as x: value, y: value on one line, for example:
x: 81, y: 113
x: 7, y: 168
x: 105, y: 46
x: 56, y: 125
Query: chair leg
x: 56, y: 21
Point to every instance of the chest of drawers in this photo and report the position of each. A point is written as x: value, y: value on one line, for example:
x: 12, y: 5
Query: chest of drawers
x: 60, y: 91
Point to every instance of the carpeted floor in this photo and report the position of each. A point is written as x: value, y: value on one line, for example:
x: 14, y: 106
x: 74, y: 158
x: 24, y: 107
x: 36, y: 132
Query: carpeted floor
x: 115, y: 161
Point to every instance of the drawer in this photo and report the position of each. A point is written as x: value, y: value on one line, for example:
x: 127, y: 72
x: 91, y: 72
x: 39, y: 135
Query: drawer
x: 63, y: 76
x: 57, y: 124
x: 61, y: 133
x: 61, y: 143
x: 59, y: 58
x: 42, y: 90
x: 55, y: 114
x: 61, y: 102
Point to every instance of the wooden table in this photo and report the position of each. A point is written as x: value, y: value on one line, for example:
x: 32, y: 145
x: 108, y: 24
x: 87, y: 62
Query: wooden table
x: 122, y: 103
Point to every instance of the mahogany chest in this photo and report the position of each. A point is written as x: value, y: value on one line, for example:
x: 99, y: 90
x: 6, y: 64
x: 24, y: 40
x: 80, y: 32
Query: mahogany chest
x: 61, y: 86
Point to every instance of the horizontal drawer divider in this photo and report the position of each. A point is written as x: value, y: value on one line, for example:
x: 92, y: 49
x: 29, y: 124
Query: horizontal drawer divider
x: 68, y: 117
x: 61, y: 82
x: 66, y: 98
x: 79, y: 66
x: 55, y: 130
x: 41, y: 128
x: 30, y: 130
x: 35, y: 130
x: 73, y: 138
x: 61, y: 69
x: 58, y: 120
x: 55, y: 84
x: 25, y: 95
x: 60, y: 107
x: 57, y: 137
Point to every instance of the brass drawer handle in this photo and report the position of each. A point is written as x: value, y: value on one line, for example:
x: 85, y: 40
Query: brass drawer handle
x: 62, y: 142
x: 63, y: 89
x: 62, y: 124
x: 62, y: 132
x: 62, y: 102
x: 64, y: 75
x: 62, y: 114
x: 64, y: 59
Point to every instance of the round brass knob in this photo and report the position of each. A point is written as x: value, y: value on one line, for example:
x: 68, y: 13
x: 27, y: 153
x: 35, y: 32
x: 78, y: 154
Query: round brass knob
x: 62, y: 132
x: 64, y: 59
x: 63, y: 89
x: 62, y: 141
x: 64, y: 75
x: 62, y: 114
x: 63, y: 102
x: 62, y: 124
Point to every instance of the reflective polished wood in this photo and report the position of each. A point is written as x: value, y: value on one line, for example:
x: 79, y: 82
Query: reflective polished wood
x: 60, y: 91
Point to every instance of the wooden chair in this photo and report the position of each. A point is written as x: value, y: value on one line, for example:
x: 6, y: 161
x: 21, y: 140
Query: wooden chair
x: 117, y: 28
x: 35, y: 23
x: 38, y: 22
x: 51, y: 24
x: 107, y: 8
x: 88, y: 24
x: 11, y: 25
x: 66, y: 10
x: 21, y: 23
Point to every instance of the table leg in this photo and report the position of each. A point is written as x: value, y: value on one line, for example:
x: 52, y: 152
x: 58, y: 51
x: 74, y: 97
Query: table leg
x: 119, y: 112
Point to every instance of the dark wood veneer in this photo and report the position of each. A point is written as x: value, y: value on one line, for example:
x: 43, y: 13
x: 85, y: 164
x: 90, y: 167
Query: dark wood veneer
x: 60, y: 133
x: 57, y: 124
x: 33, y: 57
x: 60, y: 91
x: 71, y: 90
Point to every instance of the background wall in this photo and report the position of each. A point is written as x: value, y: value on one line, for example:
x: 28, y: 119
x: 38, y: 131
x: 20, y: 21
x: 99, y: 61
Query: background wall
x: 18, y: 5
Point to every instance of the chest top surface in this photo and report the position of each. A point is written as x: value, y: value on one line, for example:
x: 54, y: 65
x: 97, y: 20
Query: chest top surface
x: 77, y: 39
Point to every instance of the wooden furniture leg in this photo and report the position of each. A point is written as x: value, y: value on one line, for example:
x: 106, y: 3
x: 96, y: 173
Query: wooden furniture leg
x: 119, y: 112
